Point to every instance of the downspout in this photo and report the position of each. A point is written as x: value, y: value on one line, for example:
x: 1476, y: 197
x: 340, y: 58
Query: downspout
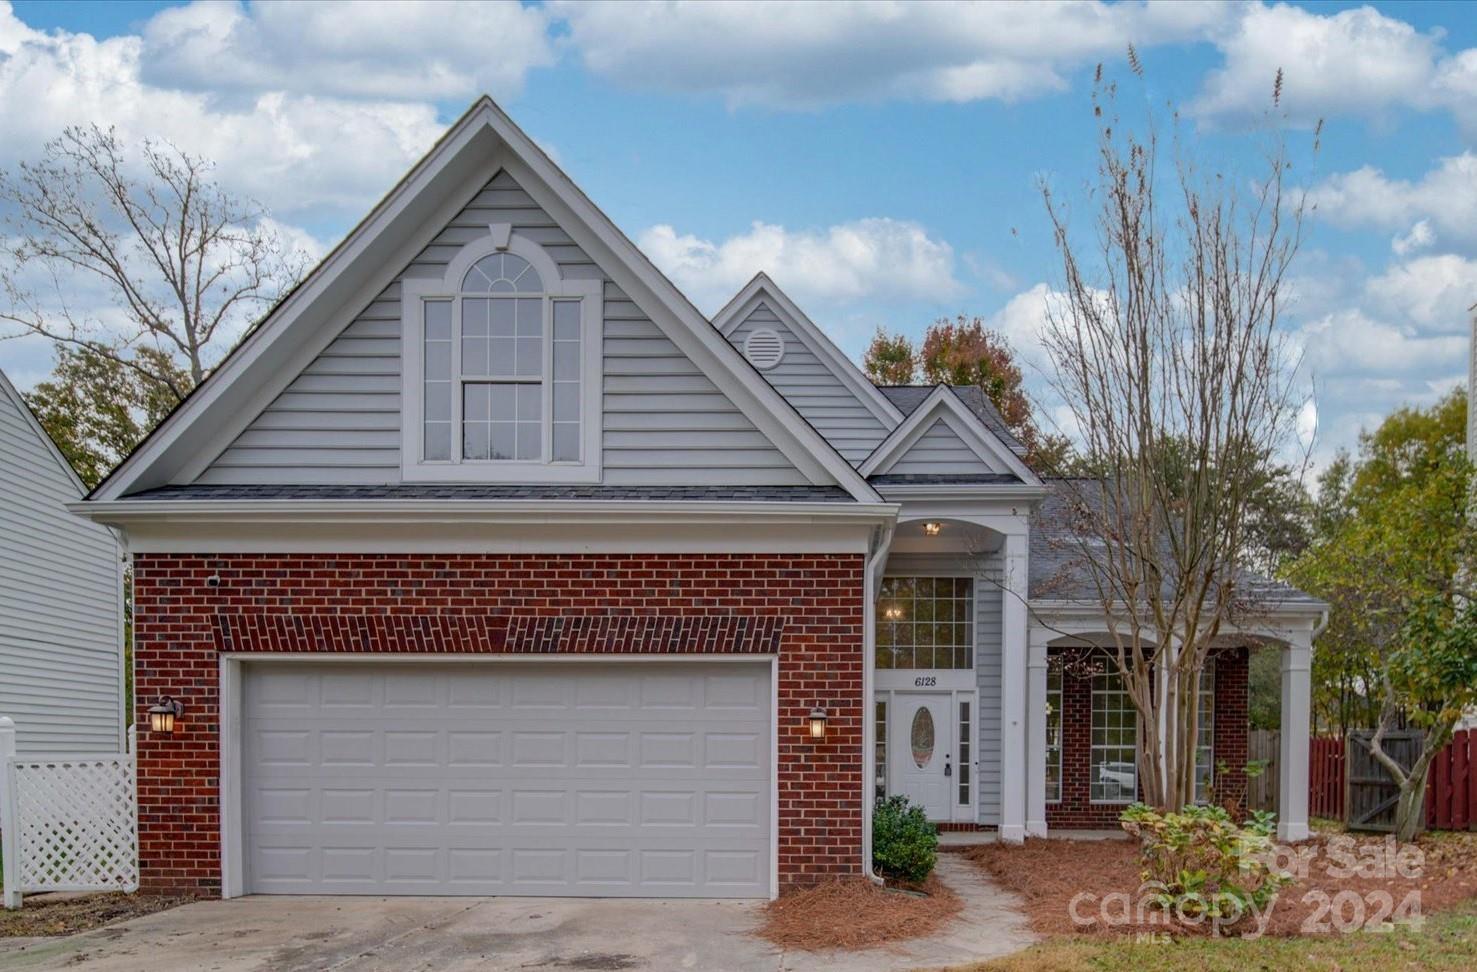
x: 871, y: 581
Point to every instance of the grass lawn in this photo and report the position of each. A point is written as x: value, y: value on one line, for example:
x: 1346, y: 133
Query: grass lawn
x: 1447, y: 941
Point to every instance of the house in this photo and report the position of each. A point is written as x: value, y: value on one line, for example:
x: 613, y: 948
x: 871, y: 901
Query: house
x: 61, y: 599
x: 486, y: 564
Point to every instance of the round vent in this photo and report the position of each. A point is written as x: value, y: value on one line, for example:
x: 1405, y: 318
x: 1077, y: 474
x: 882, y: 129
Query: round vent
x: 764, y: 348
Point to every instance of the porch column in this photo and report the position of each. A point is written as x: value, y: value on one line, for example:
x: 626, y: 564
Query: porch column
x: 1013, y: 650
x: 1036, y: 733
x: 1292, y: 757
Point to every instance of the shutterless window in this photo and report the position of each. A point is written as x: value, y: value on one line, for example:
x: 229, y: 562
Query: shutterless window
x: 509, y: 356
x: 880, y: 759
x: 1205, y: 740
x: 1114, y: 752
x: 964, y: 754
x: 926, y: 622
x: 1053, y: 735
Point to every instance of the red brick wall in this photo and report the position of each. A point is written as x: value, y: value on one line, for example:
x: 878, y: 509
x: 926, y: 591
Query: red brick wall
x: 1076, y: 810
x: 463, y: 603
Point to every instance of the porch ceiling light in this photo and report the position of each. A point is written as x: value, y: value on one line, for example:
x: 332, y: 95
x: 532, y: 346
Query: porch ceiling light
x: 933, y: 528
x: 817, y: 723
x: 163, y: 713
x: 893, y: 612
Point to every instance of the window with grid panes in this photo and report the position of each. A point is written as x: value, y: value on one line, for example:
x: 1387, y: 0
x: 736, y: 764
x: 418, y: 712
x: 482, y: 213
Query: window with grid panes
x: 1205, y: 739
x: 926, y: 622
x: 1053, y: 735
x: 1114, y: 750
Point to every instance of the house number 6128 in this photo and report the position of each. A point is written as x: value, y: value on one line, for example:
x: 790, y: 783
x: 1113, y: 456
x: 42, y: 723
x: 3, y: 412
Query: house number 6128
x: 923, y: 681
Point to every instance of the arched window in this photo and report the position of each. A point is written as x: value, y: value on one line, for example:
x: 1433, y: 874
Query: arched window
x: 502, y: 368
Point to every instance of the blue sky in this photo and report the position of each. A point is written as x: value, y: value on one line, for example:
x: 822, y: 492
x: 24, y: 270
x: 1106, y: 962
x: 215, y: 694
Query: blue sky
x: 881, y: 161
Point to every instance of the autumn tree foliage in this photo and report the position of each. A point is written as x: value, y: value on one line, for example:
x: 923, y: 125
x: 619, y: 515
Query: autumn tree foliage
x: 963, y: 351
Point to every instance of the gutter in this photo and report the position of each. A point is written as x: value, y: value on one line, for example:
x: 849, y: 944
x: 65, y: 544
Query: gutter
x: 870, y: 576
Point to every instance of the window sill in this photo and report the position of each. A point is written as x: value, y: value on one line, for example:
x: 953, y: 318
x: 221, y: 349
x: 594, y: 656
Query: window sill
x: 512, y: 472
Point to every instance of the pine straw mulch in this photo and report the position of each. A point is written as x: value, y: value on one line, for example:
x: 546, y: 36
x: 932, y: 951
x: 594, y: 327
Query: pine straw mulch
x: 856, y: 914
x: 66, y: 914
x: 1046, y: 874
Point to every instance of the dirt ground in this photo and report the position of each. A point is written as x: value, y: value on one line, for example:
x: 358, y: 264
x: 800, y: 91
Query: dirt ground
x: 66, y: 914
x: 1047, y: 874
x: 856, y: 914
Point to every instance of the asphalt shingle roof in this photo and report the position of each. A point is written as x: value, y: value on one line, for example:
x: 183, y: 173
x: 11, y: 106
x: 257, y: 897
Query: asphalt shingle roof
x: 1059, y: 572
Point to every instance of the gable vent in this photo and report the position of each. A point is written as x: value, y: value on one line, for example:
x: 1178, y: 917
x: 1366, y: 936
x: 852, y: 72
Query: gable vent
x: 764, y: 348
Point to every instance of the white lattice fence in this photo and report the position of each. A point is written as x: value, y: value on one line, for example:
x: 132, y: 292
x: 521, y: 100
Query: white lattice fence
x: 70, y: 823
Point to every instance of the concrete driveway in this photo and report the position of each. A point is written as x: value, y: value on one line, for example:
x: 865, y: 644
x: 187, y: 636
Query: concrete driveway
x: 286, y: 934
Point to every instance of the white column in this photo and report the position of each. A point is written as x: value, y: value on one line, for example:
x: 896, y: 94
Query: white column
x: 1013, y: 651
x: 1292, y: 757
x: 10, y: 844
x: 1036, y: 733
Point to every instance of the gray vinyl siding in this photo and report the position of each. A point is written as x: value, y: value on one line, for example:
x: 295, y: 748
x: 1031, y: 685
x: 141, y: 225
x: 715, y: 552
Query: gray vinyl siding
x: 940, y: 451
x: 815, y: 391
x: 664, y: 421
x: 988, y: 639
x: 60, y: 614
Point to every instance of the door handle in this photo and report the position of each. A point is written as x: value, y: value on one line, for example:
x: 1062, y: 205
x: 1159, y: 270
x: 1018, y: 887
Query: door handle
x: 948, y: 768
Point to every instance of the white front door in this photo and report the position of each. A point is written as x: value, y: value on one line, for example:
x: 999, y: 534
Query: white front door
x: 923, y: 758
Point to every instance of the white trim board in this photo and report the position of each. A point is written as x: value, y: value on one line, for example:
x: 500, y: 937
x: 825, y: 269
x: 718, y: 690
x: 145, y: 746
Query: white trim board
x: 762, y: 289
x: 943, y: 405
x: 480, y: 142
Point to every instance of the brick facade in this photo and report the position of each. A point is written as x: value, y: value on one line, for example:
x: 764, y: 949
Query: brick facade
x: 810, y: 606
x: 1076, y: 811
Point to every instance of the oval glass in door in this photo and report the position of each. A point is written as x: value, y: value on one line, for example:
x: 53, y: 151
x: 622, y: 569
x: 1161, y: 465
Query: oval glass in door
x: 921, y: 736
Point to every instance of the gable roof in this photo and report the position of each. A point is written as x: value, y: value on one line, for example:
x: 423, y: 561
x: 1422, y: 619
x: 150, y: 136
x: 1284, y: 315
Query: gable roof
x: 480, y: 143
x: 7, y: 390
x: 943, y: 404
x: 908, y: 397
x: 762, y: 290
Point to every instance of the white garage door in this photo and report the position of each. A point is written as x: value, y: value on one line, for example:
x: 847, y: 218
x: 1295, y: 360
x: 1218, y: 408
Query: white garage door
x: 616, y: 779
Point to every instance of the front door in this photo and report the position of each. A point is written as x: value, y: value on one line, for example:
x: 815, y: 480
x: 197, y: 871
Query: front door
x: 923, y: 762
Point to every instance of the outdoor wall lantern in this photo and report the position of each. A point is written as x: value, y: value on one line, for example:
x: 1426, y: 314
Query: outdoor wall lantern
x: 163, y: 713
x: 933, y: 528
x: 817, y: 723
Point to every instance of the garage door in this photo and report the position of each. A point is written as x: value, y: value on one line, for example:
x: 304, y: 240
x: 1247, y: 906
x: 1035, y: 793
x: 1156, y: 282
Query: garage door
x: 622, y: 780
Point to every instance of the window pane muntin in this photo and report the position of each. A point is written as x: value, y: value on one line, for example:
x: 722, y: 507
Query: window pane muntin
x: 1113, y: 765
x: 964, y: 759
x: 934, y: 626
x: 1205, y: 740
x: 436, y: 381
x: 502, y: 273
x: 880, y: 756
x: 1054, y: 735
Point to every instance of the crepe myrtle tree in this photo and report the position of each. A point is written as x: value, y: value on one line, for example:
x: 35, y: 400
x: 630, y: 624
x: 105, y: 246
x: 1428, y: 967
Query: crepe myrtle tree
x: 1167, y: 357
x: 183, y: 265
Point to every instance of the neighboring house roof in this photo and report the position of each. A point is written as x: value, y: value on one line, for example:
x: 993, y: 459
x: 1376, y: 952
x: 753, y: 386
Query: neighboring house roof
x: 943, y: 479
x: 1058, y: 571
x: 481, y: 142
x: 494, y: 491
x: 907, y: 398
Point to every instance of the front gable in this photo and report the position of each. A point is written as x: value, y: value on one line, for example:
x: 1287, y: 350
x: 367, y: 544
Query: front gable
x: 813, y: 375
x: 942, y: 438
x: 314, y: 395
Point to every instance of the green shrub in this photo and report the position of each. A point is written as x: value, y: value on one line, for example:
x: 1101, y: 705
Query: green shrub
x: 904, y: 844
x: 1202, y: 864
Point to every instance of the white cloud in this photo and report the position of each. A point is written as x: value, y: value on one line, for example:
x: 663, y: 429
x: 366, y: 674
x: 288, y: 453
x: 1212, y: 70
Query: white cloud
x: 1420, y: 236
x: 1350, y: 342
x: 1445, y: 198
x: 1357, y: 62
x: 1431, y: 293
x: 389, y: 49
x: 807, y: 54
x: 877, y: 257
x: 293, y: 152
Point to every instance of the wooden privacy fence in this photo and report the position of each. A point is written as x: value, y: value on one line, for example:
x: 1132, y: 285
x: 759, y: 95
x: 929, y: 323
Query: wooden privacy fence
x: 1451, y: 787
